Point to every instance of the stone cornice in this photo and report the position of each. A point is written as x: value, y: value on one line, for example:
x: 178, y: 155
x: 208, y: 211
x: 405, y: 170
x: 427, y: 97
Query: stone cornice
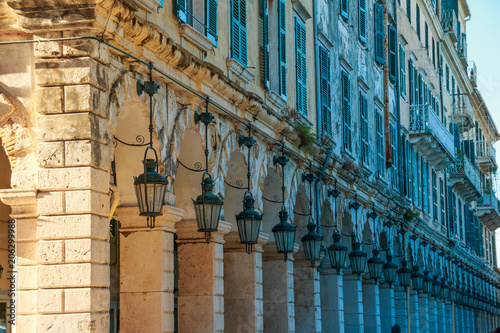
x: 22, y: 202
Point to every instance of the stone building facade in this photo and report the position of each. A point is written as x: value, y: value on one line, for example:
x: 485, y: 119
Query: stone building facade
x: 375, y: 98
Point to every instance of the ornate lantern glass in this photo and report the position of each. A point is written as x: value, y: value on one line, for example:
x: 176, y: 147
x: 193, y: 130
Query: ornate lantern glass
x: 375, y: 265
x: 427, y: 287
x: 390, y: 270
x: 312, y: 242
x: 337, y: 252
x: 445, y: 290
x: 357, y: 258
x: 284, y: 233
x: 404, y: 274
x: 207, y: 207
x: 248, y: 222
x: 417, y: 279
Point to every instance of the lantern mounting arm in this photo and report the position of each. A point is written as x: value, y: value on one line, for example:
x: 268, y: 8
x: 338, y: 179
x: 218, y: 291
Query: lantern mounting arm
x: 282, y: 160
x: 355, y: 205
x: 335, y: 194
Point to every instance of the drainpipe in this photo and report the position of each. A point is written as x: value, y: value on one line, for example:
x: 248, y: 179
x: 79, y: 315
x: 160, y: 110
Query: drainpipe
x: 317, y: 70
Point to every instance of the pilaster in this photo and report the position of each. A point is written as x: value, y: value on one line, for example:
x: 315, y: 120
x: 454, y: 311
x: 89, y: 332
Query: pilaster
x: 332, y: 301
x: 414, y: 312
x: 387, y: 307
x: 353, y: 305
x: 423, y: 312
x: 433, y: 313
x: 400, y: 295
x: 371, y: 306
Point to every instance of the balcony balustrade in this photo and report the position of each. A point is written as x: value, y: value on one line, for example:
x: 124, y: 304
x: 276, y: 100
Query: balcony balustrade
x: 487, y: 211
x: 463, y: 113
x: 472, y: 73
x: 449, y: 21
x: 430, y: 137
x: 462, y: 49
x: 464, y: 178
x: 486, y: 156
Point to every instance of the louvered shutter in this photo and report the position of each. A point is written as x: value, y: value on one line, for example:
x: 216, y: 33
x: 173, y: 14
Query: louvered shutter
x: 380, y: 143
x: 265, y: 43
x: 239, y: 31
x: 282, y: 47
x: 326, y: 100
x: 412, y: 87
x: 344, y: 9
x: 392, y: 53
x: 362, y: 20
x: 301, y: 66
x: 211, y: 30
x: 346, y: 111
x: 379, y: 33
x: 181, y: 10
x: 408, y: 10
x: 417, y: 23
x: 402, y: 65
x: 363, y: 105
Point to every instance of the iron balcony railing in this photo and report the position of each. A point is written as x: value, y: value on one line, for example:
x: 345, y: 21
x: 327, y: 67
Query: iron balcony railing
x: 462, y: 46
x: 423, y: 119
x: 463, y: 112
x: 485, y: 149
x: 449, y: 21
x: 463, y: 167
x: 472, y: 72
x: 488, y: 200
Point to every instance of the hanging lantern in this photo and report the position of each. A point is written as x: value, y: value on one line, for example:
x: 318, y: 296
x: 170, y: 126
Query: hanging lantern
x: 428, y: 281
x: 207, y: 207
x: 248, y: 222
x: 150, y: 188
x: 417, y: 279
x: 312, y: 242
x: 404, y: 274
x: 436, y: 287
x: 445, y: 290
x: 337, y: 252
x: 284, y: 233
x: 357, y: 258
x: 375, y: 265
x: 390, y: 270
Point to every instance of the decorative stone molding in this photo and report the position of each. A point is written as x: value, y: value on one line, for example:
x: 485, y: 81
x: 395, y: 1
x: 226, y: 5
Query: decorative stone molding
x: 239, y: 71
x: 194, y: 37
x: 301, y: 10
x: 150, y: 6
x: 345, y: 64
x: 233, y: 242
x: 133, y: 222
x: 21, y: 201
x: 275, y: 99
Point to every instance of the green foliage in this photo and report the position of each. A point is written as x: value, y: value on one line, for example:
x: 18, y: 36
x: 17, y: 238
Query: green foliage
x: 410, y: 214
x: 307, y: 137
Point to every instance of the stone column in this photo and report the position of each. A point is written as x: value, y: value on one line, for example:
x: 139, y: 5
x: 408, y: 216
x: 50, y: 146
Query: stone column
x: 414, y: 312
x: 387, y: 310
x: 201, y: 278
x: 279, y: 309
x: 448, y: 316
x: 307, y: 295
x: 423, y: 312
x: 243, y: 290
x: 460, y: 319
x: 441, y: 314
x: 147, y: 271
x: 353, y: 305
x: 433, y: 312
x: 465, y: 312
x: 401, y: 308
x: 332, y: 301
x: 371, y: 306
x: 23, y: 206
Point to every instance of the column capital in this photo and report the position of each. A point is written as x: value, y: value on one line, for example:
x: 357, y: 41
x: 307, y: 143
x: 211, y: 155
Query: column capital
x: 131, y: 220
x: 187, y: 232
x: 271, y: 252
x: 233, y: 243
x: 22, y: 201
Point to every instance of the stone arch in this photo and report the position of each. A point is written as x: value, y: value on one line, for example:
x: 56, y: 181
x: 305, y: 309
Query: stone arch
x: 235, y: 176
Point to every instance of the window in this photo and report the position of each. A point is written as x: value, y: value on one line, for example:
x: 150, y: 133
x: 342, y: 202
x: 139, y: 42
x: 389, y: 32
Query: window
x: 346, y: 112
x: 425, y: 185
x: 442, y: 201
x: 427, y: 37
x: 363, y: 111
x: 434, y: 196
x: 413, y: 89
x: 325, y: 90
x: 301, y: 66
x: 394, y: 154
x: 282, y: 48
x: 408, y: 10
x: 344, y: 9
x: 362, y: 20
x: 433, y: 52
x: 392, y: 53
x: 239, y: 31
x: 379, y: 33
x: 448, y: 79
x: 402, y: 70
x: 460, y: 220
x: 265, y: 43
x: 201, y: 15
x: 379, y: 120
x: 418, y: 22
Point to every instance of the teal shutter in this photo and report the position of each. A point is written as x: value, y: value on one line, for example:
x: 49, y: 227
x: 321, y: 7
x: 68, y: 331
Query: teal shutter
x: 363, y: 111
x: 181, y: 10
x: 282, y: 47
x: 379, y: 126
x: 408, y: 10
x: 418, y: 27
x: 265, y: 43
x: 344, y: 9
x: 392, y: 53
x: 362, y: 20
x: 402, y: 65
x: 346, y: 112
x: 379, y: 33
x: 239, y: 31
x: 326, y: 100
x: 301, y: 66
x: 211, y: 27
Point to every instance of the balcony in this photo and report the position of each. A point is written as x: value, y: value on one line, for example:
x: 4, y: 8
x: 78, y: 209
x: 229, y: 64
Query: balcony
x: 486, y: 156
x: 472, y: 73
x: 462, y: 50
x: 449, y: 21
x: 430, y: 137
x: 464, y: 179
x: 463, y: 113
x: 487, y: 211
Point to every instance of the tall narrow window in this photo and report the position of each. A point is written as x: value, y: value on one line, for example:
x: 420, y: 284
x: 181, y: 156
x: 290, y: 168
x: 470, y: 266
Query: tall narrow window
x: 392, y: 53
x: 363, y: 111
x: 402, y: 70
x: 201, y: 15
x: 380, y: 143
x: 362, y: 20
x: 427, y: 37
x: 433, y: 52
x: 301, y: 66
x: 239, y: 31
x: 408, y: 10
x: 442, y: 201
x: 434, y: 196
x: 325, y: 90
x: 379, y: 33
x: 346, y: 112
x: 417, y: 22
x: 265, y: 43
x: 460, y: 220
x: 448, y: 79
x: 344, y: 9
x: 394, y: 154
x: 282, y: 47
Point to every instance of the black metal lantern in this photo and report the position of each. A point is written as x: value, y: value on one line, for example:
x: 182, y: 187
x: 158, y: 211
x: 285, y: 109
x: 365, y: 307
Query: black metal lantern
x: 375, y: 265
x: 390, y: 270
x: 312, y: 242
x: 207, y: 207
x: 337, y: 252
x: 284, y: 233
x: 445, y: 290
x: 248, y: 222
x: 404, y: 274
x: 436, y: 287
x: 417, y: 279
x: 428, y: 281
x: 357, y: 258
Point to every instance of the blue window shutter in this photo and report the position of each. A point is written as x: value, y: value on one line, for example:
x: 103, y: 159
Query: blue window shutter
x: 346, y: 112
x: 379, y: 33
x: 392, y: 53
x: 344, y: 8
x: 282, y: 47
x: 211, y: 29
x: 265, y: 43
x: 301, y: 66
x: 363, y: 106
x: 408, y: 10
x: 326, y: 100
x: 362, y: 20
x: 402, y: 65
x: 243, y: 31
x: 239, y: 31
x: 160, y: 2
x: 181, y: 10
